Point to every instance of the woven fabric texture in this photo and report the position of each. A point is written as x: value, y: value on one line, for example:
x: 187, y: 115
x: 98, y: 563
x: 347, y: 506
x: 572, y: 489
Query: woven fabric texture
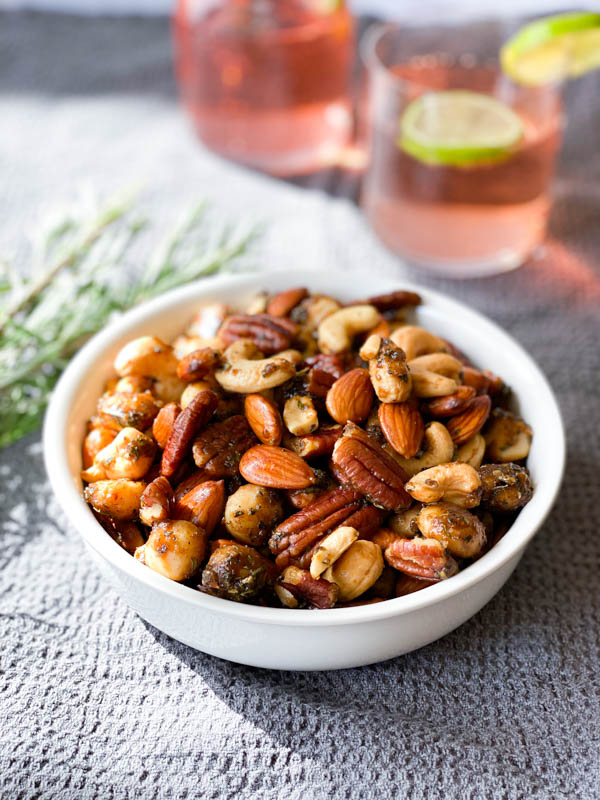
x: 96, y: 703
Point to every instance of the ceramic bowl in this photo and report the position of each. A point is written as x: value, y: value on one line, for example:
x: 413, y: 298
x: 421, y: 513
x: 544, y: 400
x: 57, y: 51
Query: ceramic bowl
x: 303, y: 639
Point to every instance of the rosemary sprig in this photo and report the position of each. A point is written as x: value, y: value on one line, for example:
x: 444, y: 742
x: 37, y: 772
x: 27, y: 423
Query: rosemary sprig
x: 82, y: 281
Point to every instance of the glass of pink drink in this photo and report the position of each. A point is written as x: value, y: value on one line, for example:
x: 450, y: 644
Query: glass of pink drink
x: 266, y: 82
x: 461, y: 220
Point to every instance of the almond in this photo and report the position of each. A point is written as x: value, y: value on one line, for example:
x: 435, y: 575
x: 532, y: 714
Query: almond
x: 276, y: 468
x: 463, y: 426
x: 351, y: 397
x: 451, y: 404
x: 264, y: 418
x: 402, y: 426
x: 281, y: 304
x: 203, y: 505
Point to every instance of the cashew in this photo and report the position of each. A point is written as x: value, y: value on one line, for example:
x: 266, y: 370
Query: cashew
x: 437, y: 448
x: 299, y: 415
x: 183, y: 345
x: 430, y: 384
x: 455, y: 483
x: 416, y: 341
x: 507, y: 437
x: 174, y: 549
x: 317, y: 308
x: 404, y: 523
x: 244, y: 374
x: 440, y: 363
x: 337, y: 330
x: 295, y: 356
x: 134, y: 384
x: 389, y: 373
x: 331, y: 548
x: 207, y: 321
x: 472, y: 451
x: 119, y: 499
x: 192, y: 389
x: 251, y: 513
x: 356, y: 570
x: 461, y: 533
x: 168, y: 389
x: 129, y: 455
x: 147, y: 356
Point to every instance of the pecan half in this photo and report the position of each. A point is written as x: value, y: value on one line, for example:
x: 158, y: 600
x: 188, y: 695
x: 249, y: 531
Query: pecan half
x: 423, y: 558
x: 283, y: 303
x: 270, y: 334
x: 316, y: 592
x: 369, y: 469
x: 365, y: 520
x: 394, y: 300
x: 220, y: 446
x: 331, y: 363
x: 203, y: 505
x: 185, y: 427
x: 155, y: 504
x: 319, y: 382
x: 297, y: 533
x: 198, y: 364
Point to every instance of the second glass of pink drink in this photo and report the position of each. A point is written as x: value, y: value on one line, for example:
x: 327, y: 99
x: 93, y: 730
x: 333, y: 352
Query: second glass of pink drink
x: 464, y: 215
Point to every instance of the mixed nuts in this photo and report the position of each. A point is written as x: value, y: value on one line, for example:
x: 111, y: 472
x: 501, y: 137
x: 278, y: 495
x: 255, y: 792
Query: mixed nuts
x: 305, y: 453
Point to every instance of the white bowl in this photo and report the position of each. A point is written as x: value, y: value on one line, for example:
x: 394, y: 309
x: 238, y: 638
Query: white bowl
x: 302, y: 639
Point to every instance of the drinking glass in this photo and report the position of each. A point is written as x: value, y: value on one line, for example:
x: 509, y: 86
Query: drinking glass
x: 460, y: 220
x: 266, y: 82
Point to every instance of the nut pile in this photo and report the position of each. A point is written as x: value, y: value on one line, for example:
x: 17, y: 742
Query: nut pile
x: 305, y: 453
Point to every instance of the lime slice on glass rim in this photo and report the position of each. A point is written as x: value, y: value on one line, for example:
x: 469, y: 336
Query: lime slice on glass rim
x: 459, y: 128
x: 551, y: 49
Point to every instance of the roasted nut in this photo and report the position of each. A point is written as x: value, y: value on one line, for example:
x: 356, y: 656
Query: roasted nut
x: 203, y: 505
x: 312, y: 311
x: 319, y: 382
x: 507, y: 437
x: 119, y: 498
x: 405, y: 522
x: 337, y: 330
x: 269, y: 334
x: 155, y: 503
x: 168, y: 389
x: 126, y: 534
x: 315, y: 592
x: 193, y: 389
x: 186, y: 426
x: 496, y: 385
x: 275, y: 467
x: 356, y: 570
x: 198, y: 364
x: 394, y: 300
x: 351, y: 397
x: 475, y: 379
x: 220, y: 446
x: 422, y: 558
x: 431, y: 384
x: 389, y: 373
x: 370, y: 470
x: 464, y: 426
x: 330, y: 548
x: 146, y: 356
x: 174, y: 549
x: 257, y: 304
x: 195, y: 479
x: 407, y: 584
x: 472, y: 451
x: 236, y: 571
x: 403, y: 427
x: 127, y: 410
x: 384, y: 587
x: 264, y: 418
x: 384, y: 537
x: 332, y: 364
x: 416, y: 341
x: 129, y: 455
x: 207, y: 320
x: 440, y: 363
x: 96, y: 440
x: 451, y: 404
x: 300, y: 415
x: 313, y: 445
x: 461, y: 533
x: 163, y: 423
x: 135, y: 384
x: 251, y: 513
x: 300, y: 531
x: 506, y: 487
x: 242, y: 371
x: 437, y: 447
x: 455, y: 483
x: 283, y: 303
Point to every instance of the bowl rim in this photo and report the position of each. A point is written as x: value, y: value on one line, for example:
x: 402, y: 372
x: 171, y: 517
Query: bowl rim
x: 78, y: 514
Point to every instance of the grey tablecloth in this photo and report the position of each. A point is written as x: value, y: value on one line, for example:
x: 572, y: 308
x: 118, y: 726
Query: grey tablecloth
x: 95, y: 703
